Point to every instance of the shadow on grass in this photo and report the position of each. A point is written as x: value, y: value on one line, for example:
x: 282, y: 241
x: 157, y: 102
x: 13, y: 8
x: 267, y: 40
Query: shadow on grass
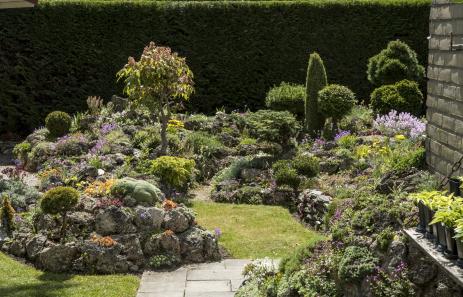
x: 45, y: 285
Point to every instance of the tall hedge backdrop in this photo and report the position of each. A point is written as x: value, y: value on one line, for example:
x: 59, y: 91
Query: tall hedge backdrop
x: 54, y: 56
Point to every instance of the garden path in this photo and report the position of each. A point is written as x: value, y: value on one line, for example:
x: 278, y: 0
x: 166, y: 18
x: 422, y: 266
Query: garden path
x: 202, y: 193
x: 217, y: 279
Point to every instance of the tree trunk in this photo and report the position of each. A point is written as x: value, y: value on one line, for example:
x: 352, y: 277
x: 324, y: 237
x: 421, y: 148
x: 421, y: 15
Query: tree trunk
x: 63, y: 228
x: 164, y: 122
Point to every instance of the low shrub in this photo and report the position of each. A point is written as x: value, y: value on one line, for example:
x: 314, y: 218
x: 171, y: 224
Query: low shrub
x: 21, y: 150
x: 285, y: 174
x: 163, y: 261
x: 72, y: 145
x: 203, y: 143
x: 147, y: 138
x: 198, y: 122
x: 287, y: 97
x: 19, y: 193
x: 356, y: 263
x: 174, y: 172
x: 404, y: 96
x: 274, y: 126
x: 58, y: 123
x: 359, y: 119
x: 306, y: 165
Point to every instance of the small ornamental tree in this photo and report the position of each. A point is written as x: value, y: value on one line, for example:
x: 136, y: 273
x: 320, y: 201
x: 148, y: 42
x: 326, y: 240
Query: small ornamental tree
x: 60, y: 200
x: 160, y: 80
x: 316, y: 81
x: 7, y: 215
x: 335, y: 101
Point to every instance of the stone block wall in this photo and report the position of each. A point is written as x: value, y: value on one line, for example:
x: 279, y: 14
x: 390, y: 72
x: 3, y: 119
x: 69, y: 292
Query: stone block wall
x: 445, y: 87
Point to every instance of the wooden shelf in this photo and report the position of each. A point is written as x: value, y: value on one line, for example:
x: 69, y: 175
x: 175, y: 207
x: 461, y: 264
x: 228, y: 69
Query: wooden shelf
x: 449, y: 266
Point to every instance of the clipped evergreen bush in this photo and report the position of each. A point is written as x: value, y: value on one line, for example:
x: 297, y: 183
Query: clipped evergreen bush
x: 288, y: 97
x: 396, y: 62
x: 59, y: 200
x: 274, y: 126
x: 404, y: 96
x: 58, y: 123
x: 316, y: 80
x: 335, y: 101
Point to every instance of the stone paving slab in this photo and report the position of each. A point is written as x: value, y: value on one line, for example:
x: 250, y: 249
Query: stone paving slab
x: 217, y: 279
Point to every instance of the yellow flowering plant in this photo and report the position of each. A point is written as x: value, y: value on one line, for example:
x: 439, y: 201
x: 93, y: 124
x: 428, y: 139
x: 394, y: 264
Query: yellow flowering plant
x: 100, y: 188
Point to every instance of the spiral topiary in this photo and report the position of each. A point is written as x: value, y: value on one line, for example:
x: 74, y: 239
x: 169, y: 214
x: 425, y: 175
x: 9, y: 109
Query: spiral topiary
x: 396, y: 62
x: 58, y: 123
x: 59, y: 200
x: 316, y: 81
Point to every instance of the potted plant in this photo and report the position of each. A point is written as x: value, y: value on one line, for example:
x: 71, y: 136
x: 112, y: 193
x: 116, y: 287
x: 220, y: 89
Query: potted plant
x: 454, y: 185
x: 459, y: 243
x: 439, y: 202
x: 447, y: 216
x: 424, y: 201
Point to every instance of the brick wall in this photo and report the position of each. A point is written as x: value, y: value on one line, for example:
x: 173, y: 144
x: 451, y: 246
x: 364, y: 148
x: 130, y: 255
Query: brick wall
x: 445, y: 87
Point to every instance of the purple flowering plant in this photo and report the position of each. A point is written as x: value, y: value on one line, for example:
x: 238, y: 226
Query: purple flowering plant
x: 341, y: 134
x: 404, y: 123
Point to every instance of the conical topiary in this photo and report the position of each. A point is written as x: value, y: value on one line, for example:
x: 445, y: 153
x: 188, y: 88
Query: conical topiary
x: 316, y: 81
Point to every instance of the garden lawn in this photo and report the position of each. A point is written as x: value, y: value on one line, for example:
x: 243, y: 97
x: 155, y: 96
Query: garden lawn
x: 254, y: 231
x: 20, y: 280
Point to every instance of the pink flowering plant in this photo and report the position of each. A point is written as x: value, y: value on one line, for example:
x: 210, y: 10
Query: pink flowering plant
x: 403, y: 123
x: 160, y: 80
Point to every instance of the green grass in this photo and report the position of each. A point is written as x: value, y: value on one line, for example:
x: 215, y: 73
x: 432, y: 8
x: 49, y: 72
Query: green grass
x: 254, y: 231
x: 20, y: 280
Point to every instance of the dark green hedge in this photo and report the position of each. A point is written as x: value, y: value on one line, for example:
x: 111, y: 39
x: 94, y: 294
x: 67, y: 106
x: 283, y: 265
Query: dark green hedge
x: 54, y: 56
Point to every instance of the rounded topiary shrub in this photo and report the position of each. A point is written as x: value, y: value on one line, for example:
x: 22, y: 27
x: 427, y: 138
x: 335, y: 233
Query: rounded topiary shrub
x: 59, y: 200
x: 58, y: 123
x: 404, y: 96
x: 335, y: 101
x: 306, y: 165
x: 397, y: 62
x: 288, y: 97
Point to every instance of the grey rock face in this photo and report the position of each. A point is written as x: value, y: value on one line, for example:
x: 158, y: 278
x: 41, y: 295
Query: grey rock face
x: 58, y: 258
x: 113, y: 220
x: 312, y: 206
x: 35, y: 245
x: 178, y: 219
x: 148, y: 218
x: 103, y: 259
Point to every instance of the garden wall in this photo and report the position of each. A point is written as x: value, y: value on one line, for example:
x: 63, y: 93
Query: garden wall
x: 54, y: 56
x: 445, y: 87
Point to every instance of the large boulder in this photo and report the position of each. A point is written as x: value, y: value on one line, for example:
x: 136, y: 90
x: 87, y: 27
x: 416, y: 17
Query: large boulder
x: 198, y: 245
x: 98, y: 259
x: 80, y: 223
x: 137, y: 192
x: 178, y: 219
x: 35, y: 245
x: 114, y: 220
x: 58, y: 258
